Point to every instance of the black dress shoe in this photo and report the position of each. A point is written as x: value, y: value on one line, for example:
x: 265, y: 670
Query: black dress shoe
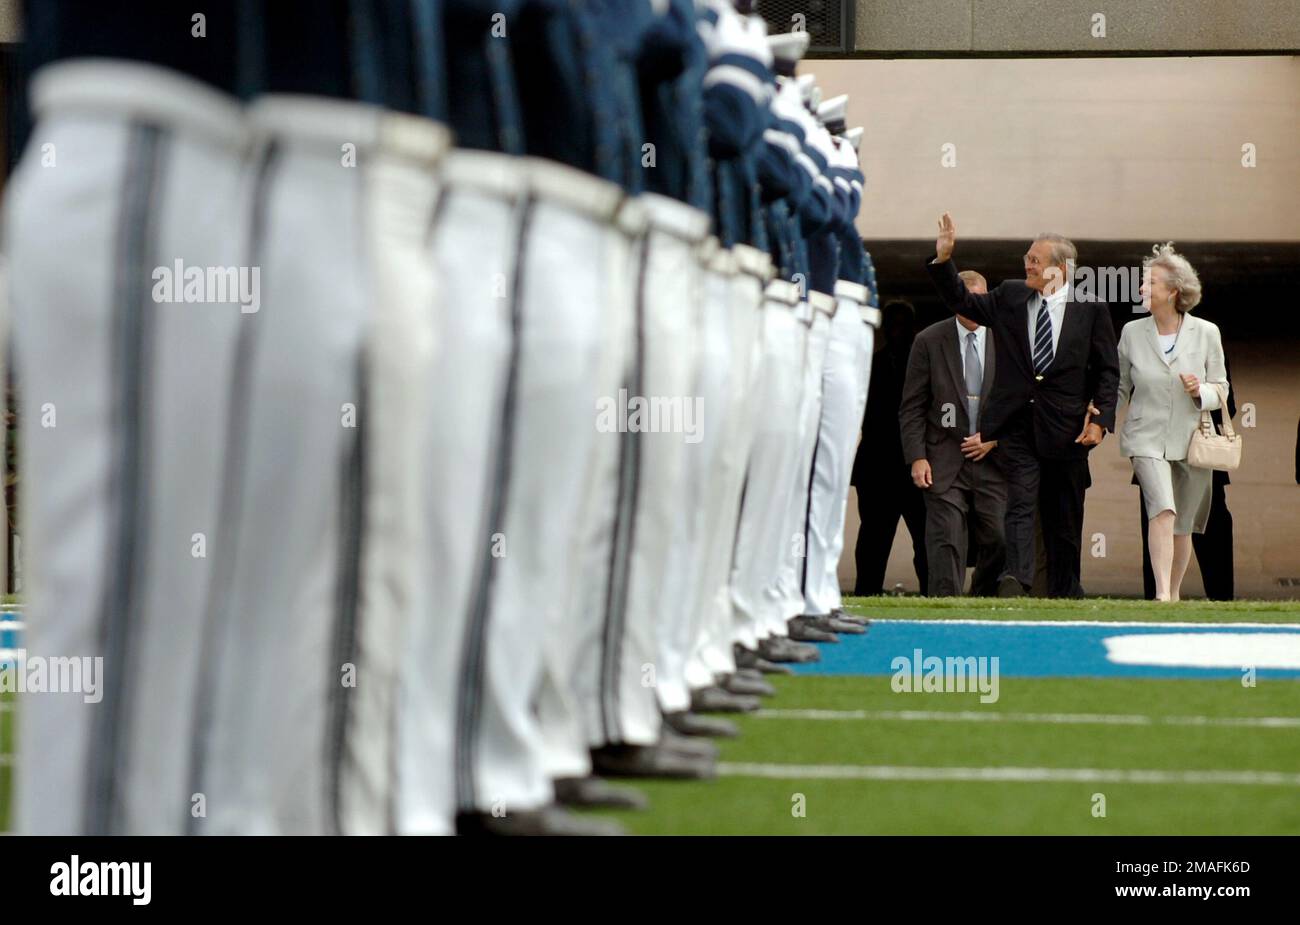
x: 753, y: 687
x: 550, y: 820
x: 847, y: 617
x: 802, y: 629
x: 695, y: 746
x: 592, y: 792
x: 692, y: 724
x: 1010, y: 586
x: 782, y: 649
x: 748, y: 658
x: 828, y: 623
x: 717, y: 700
x: 649, y: 761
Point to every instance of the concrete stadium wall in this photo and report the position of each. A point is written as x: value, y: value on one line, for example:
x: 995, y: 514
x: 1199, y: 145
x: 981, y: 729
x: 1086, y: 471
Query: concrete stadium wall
x: 1104, y: 148
x: 1069, y: 26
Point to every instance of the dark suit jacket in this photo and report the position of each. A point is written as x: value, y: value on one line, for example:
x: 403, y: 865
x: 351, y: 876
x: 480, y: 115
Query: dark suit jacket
x: 934, y: 384
x: 1085, y: 367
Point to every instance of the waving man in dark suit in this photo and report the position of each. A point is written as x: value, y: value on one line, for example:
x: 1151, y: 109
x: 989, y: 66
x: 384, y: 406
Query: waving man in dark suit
x: 1055, y: 356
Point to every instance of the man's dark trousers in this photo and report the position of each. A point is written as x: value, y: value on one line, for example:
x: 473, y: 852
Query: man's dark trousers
x: 970, y: 509
x: 1056, y: 488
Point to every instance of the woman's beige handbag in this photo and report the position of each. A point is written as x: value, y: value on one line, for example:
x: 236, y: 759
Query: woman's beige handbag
x: 1210, y: 450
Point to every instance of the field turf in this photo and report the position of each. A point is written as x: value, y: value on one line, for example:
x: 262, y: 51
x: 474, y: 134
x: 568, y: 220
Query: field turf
x: 1122, y: 755
x: 1157, y: 755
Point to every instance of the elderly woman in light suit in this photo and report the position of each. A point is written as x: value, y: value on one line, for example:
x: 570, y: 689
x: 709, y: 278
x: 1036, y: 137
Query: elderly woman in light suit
x: 1171, y: 368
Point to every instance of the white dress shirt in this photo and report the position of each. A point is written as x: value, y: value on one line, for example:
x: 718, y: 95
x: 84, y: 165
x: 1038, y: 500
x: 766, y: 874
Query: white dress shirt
x: 1055, y: 310
x: 979, y: 333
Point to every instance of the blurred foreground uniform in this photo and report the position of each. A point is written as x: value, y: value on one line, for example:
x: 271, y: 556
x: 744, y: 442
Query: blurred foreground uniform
x: 319, y: 564
x: 135, y: 170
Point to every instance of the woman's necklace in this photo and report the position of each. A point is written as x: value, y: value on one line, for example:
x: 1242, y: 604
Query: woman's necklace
x: 1178, y: 331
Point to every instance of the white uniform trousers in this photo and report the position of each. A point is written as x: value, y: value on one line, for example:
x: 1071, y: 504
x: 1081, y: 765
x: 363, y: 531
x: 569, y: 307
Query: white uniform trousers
x: 605, y: 681
x: 402, y: 190
x: 651, y: 490
x: 785, y: 542
x: 599, y: 311
x: 844, y: 396
x: 317, y: 575
x: 474, y: 239
x: 698, y: 507
x: 133, y: 183
x: 769, y: 471
x: 795, y: 552
x: 561, y: 341
x: 713, y: 654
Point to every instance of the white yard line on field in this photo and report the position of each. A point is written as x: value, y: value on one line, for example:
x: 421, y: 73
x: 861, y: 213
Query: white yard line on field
x: 1064, y: 719
x: 1012, y: 774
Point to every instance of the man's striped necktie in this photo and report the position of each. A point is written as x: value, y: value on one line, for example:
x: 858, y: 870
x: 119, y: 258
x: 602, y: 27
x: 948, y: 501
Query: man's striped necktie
x: 1042, y: 338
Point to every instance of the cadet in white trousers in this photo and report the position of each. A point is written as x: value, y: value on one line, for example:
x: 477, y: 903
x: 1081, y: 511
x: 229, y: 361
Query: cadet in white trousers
x: 790, y: 583
x: 669, y: 340
x: 720, y: 364
x: 552, y: 418
x: 783, y: 539
x: 402, y: 192
x: 474, y: 239
x: 764, y: 511
x: 713, y: 655
x: 844, y: 395
x: 692, y: 505
x: 598, y: 676
x: 318, y: 575
x: 628, y: 726
x: 570, y: 684
x: 125, y: 213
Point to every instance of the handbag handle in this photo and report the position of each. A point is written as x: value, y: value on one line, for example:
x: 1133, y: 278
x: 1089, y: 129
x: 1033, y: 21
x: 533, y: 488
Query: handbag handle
x: 1207, y: 421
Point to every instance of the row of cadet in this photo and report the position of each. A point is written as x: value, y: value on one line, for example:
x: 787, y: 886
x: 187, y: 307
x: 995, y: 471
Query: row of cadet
x: 430, y: 409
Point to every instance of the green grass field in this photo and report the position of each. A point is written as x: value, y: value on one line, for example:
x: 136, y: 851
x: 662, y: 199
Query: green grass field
x: 1102, y: 728
x: 6, y: 754
x: 1172, y: 727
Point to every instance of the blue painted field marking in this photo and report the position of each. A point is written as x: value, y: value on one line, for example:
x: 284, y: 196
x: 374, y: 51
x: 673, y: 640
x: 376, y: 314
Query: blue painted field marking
x: 1025, y: 649
x: 11, y: 636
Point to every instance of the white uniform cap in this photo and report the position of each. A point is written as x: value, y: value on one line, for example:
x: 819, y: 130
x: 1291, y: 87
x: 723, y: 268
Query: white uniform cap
x: 834, y: 109
x: 788, y: 46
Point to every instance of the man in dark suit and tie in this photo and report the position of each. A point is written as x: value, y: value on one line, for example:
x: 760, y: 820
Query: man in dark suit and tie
x: 949, y: 378
x: 1056, y: 356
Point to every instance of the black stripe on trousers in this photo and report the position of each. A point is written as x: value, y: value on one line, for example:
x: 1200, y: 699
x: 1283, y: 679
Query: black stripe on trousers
x: 620, y: 551
x: 469, y: 704
x: 131, y: 382
x: 217, y: 611
x: 352, y: 523
x: 807, y: 514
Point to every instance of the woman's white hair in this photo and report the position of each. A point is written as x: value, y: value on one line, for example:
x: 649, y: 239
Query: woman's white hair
x: 1181, y: 276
